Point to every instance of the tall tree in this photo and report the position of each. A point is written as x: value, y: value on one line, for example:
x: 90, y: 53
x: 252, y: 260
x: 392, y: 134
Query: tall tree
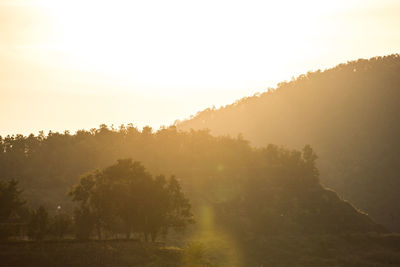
x: 126, y: 194
x: 11, y: 202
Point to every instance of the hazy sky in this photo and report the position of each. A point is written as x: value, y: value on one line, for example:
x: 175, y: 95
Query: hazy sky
x: 77, y: 64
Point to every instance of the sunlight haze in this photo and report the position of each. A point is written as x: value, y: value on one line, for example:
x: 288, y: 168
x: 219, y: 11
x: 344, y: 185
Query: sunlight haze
x: 77, y: 64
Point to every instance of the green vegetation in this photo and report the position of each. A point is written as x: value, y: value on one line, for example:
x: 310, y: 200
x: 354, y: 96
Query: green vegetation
x: 13, y: 211
x: 91, y: 202
x: 265, y: 186
x: 121, y: 199
x: 38, y: 225
x: 125, y: 199
x: 357, y: 250
x: 11, y: 203
x: 95, y: 253
x: 239, y: 193
x: 349, y: 114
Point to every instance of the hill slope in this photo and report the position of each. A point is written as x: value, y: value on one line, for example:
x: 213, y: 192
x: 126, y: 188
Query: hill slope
x: 349, y: 114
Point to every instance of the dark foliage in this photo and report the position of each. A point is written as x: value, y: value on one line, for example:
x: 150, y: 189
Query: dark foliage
x: 350, y: 115
x: 60, y: 225
x: 221, y: 172
x: 13, y: 212
x: 38, y: 225
x: 126, y: 198
x: 11, y: 203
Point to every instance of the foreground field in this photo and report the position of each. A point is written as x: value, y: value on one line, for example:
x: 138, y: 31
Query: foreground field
x: 347, y: 250
x: 95, y: 253
x: 354, y: 250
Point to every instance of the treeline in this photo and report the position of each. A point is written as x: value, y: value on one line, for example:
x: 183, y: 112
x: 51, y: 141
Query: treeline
x: 122, y: 199
x: 46, y: 166
x: 252, y: 191
x: 349, y: 114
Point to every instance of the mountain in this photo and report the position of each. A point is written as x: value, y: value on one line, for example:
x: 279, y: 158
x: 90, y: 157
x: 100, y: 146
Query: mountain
x: 349, y: 114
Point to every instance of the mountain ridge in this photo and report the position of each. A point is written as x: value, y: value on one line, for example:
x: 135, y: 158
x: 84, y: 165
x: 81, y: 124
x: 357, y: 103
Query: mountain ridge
x: 349, y: 114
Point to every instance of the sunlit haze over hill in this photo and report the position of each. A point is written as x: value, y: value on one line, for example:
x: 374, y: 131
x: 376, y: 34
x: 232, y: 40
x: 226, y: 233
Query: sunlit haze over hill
x: 77, y: 64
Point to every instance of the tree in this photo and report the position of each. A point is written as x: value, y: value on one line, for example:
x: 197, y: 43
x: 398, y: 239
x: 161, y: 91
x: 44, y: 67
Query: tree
x: 10, y: 200
x: 173, y: 209
x: 12, y: 209
x: 310, y: 158
x: 60, y: 225
x: 38, y: 225
x: 84, y: 222
x: 126, y: 194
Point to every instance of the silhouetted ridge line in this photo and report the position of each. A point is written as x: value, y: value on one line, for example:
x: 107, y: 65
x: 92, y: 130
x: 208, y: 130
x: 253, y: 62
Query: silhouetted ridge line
x: 350, y: 114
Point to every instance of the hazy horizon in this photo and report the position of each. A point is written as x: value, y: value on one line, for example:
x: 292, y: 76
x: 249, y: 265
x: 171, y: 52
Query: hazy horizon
x: 76, y: 65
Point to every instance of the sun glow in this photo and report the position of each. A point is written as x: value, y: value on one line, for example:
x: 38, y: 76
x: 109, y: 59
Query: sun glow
x: 178, y: 44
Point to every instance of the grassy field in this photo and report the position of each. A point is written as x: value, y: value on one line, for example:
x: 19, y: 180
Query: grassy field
x: 93, y: 253
x: 363, y: 250
x: 355, y: 250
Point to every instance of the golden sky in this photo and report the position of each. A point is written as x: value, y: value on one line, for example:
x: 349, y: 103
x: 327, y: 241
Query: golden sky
x: 77, y: 64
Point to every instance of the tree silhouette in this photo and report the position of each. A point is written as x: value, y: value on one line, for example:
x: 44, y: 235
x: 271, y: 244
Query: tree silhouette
x: 125, y: 197
x: 10, y: 200
x: 38, y: 225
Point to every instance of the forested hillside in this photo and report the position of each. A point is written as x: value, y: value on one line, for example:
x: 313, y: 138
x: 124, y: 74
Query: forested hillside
x: 349, y: 114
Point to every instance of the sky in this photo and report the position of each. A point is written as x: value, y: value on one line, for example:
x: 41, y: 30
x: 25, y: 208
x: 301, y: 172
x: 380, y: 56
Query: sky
x: 69, y: 65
